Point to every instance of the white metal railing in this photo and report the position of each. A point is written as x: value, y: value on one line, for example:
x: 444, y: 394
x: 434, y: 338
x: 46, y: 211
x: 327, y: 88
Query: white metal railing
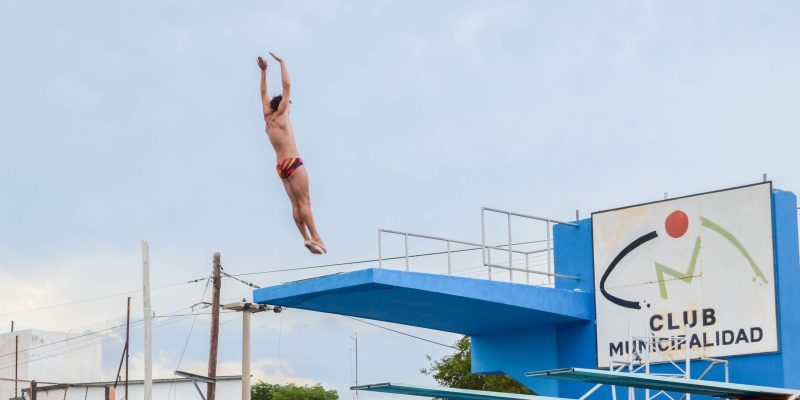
x: 449, y: 251
x: 486, y: 250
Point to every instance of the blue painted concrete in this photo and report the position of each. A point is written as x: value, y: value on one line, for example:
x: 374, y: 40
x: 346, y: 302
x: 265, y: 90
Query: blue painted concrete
x: 788, y: 280
x: 573, y: 256
x: 576, y: 345
x: 517, y: 328
x: 447, y: 303
x: 516, y: 352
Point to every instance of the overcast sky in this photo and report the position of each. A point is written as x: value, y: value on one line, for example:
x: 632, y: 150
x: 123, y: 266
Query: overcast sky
x: 132, y: 120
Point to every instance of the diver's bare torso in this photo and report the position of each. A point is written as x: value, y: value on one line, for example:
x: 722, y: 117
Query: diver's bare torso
x: 281, y: 136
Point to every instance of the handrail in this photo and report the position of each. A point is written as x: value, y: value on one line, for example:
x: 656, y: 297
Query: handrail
x: 487, y: 258
x: 486, y: 254
x: 516, y: 214
x: 478, y: 246
x: 441, y: 239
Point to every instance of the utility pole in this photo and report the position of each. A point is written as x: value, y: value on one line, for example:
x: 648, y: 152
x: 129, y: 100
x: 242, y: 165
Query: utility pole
x: 148, y: 324
x: 355, y: 339
x: 212, y: 351
x: 16, y: 361
x: 16, y: 364
x: 127, y: 346
x: 247, y: 309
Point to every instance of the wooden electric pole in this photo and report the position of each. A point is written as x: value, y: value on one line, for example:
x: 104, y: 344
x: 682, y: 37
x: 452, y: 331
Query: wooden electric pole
x: 125, y: 352
x: 127, y: 345
x: 212, y: 351
x: 16, y: 361
x: 148, y: 323
x: 16, y: 365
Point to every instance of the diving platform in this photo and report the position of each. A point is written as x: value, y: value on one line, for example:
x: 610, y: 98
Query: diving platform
x: 443, y: 302
x: 668, y: 383
x: 446, y: 393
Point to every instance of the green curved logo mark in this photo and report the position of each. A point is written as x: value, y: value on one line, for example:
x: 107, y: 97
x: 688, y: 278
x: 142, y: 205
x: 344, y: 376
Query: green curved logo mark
x: 688, y: 275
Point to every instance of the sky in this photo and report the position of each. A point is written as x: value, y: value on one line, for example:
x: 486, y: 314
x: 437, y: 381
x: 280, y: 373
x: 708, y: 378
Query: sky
x: 140, y: 120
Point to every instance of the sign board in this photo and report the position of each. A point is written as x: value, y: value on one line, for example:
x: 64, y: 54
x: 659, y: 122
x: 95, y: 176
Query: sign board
x: 700, y: 266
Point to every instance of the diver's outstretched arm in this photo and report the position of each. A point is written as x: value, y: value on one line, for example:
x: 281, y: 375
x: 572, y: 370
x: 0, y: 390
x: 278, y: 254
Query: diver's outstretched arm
x: 264, y: 98
x: 286, y: 85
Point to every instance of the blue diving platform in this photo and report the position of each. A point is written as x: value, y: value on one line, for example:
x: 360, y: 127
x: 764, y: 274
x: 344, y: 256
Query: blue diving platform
x: 446, y: 393
x: 442, y: 302
x: 667, y: 383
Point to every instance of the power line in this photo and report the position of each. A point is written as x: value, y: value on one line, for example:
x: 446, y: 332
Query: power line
x: 192, y: 314
x: 82, y: 342
x: 400, y: 332
x: 252, y: 285
x: 92, y: 340
x: 188, y: 336
x: 366, y: 261
x: 98, y: 298
x: 73, y: 338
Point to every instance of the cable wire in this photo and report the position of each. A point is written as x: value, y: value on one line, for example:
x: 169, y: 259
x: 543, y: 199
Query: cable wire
x: 339, y: 264
x: 400, y: 332
x: 97, y: 298
x: 189, y: 335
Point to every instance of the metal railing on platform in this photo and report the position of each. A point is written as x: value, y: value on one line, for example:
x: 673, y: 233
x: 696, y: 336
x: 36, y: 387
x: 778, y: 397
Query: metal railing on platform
x: 486, y: 249
x: 487, y: 260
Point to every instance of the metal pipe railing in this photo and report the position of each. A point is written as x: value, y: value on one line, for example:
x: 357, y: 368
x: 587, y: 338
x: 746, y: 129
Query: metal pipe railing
x: 510, y: 252
x: 507, y: 247
x: 534, y: 271
x: 549, y: 256
x: 487, y: 254
x: 501, y: 247
x: 529, y: 216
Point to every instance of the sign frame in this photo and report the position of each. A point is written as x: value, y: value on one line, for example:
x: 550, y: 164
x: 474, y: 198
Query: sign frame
x: 772, y: 233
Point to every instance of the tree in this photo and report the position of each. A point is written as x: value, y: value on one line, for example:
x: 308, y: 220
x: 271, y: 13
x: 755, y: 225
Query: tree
x: 267, y: 391
x: 454, y: 371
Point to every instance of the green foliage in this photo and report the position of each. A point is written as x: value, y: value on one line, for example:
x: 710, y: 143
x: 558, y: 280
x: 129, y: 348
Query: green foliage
x: 454, y: 371
x: 266, y: 391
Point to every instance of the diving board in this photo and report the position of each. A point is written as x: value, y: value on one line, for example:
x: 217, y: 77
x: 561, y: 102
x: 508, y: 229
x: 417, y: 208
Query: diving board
x: 442, y: 302
x: 446, y: 393
x: 669, y: 384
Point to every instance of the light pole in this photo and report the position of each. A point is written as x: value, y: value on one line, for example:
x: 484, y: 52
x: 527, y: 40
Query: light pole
x: 247, y: 309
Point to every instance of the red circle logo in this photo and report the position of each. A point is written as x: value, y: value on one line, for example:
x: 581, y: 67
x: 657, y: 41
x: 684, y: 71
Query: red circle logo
x: 677, y: 223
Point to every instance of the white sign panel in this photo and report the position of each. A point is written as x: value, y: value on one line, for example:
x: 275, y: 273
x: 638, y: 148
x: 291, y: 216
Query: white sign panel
x: 700, y: 266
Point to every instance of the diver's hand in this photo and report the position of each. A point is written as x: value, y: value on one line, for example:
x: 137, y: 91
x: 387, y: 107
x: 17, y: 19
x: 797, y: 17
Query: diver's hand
x: 278, y: 59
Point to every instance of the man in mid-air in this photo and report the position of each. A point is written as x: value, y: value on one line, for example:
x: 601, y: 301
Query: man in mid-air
x: 290, y: 167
